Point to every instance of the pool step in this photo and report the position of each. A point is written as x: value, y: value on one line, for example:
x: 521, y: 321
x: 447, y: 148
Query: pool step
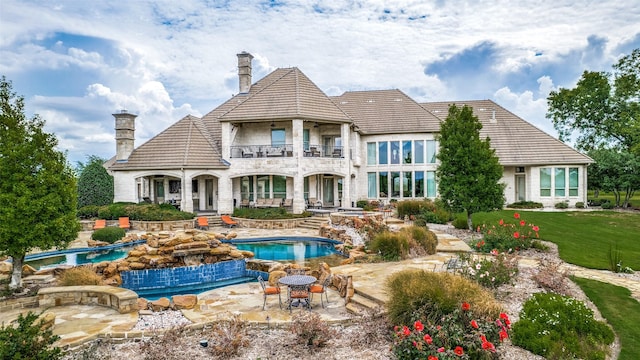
x: 360, y: 304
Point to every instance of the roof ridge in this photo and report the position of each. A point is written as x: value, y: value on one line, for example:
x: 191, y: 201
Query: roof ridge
x: 186, y: 149
x: 297, y: 92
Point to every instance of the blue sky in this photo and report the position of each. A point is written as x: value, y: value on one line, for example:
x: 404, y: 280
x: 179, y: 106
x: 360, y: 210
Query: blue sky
x: 78, y: 62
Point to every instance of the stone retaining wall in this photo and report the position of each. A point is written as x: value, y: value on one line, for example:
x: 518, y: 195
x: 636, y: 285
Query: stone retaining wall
x: 269, y: 224
x: 123, y: 300
x: 19, y: 303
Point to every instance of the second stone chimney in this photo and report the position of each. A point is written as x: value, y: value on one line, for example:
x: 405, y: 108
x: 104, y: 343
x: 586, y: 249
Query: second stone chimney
x: 244, y: 71
x: 125, y: 134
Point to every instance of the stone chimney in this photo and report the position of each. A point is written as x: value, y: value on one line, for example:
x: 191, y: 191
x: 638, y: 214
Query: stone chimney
x: 125, y: 134
x: 244, y: 71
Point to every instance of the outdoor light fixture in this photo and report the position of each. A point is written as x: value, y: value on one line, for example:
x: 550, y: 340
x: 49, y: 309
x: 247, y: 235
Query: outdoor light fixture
x: 273, y: 124
x: 316, y: 125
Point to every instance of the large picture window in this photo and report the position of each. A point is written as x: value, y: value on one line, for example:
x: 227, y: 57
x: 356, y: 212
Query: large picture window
x: 384, y: 184
x: 419, y: 151
x: 406, y: 152
x: 545, y: 181
x: 573, y: 182
x: 419, y: 183
x: 371, y: 186
x: 371, y: 153
x: 431, y: 184
x: 407, y: 185
x: 560, y: 181
x: 431, y: 151
x: 383, y: 157
x: 395, y: 182
x: 395, y: 152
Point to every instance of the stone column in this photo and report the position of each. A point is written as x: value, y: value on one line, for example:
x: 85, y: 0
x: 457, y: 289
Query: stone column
x: 298, y: 179
x: 346, y: 182
x: 225, y: 195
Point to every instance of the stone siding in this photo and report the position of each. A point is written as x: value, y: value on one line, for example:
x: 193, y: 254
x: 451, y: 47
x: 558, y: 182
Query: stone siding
x: 269, y: 224
x: 123, y: 300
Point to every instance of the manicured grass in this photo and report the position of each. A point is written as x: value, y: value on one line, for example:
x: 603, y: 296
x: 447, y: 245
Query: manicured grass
x: 621, y: 311
x: 635, y: 199
x: 583, y: 238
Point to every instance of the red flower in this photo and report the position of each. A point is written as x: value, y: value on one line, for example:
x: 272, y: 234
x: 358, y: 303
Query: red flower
x: 483, y: 338
x: 431, y: 357
x: 441, y: 349
x: 474, y: 324
x: 458, y: 351
x: 516, y: 235
x: 418, y: 326
x: 465, y: 306
x: 522, y: 223
x: 535, y: 228
x: 488, y: 346
x: 503, y: 335
x: 428, y: 339
x: 501, y: 222
x: 504, y: 316
x: 395, y: 328
x: 516, y: 215
x: 406, y: 331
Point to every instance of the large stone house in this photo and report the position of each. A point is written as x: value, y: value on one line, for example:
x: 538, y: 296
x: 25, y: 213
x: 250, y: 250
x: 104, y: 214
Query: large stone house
x: 282, y: 141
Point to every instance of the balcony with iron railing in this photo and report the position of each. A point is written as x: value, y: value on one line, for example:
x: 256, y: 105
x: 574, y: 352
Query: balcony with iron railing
x: 286, y: 150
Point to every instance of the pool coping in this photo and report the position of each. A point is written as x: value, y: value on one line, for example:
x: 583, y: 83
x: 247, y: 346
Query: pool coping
x: 47, y: 254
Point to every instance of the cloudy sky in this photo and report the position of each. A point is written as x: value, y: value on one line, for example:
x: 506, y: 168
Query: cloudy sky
x: 77, y: 62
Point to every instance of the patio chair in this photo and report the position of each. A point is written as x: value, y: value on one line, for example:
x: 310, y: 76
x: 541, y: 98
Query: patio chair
x: 100, y: 224
x: 321, y: 289
x: 301, y: 294
x: 202, y: 223
x: 244, y: 203
x: 288, y: 204
x: 269, y: 290
x: 228, y: 221
x: 124, y: 223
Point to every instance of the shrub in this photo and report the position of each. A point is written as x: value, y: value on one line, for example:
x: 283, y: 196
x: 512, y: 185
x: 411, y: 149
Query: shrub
x: 594, y: 202
x: 460, y: 221
x: 362, y: 203
x: 607, y: 205
x: 80, y: 275
x: 413, y: 207
x: 267, y: 213
x: 390, y: 246
x: 561, y: 327
x: 228, y: 338
x: 506, y: 237
x: 95, y: 185
x: 167, y: 346
x: 490, y: 272
x: 28, y: 340
x: 109, y: 234
x: 526, y: 205
x: 458, y: 334
x: 311, y: 330
x: 88, y: 212
x: 561, y: 205
x: 425, y: 238
x: 551, y: 277
x: 143, y: 212
x: 579, y: 205
x: 422, y: 295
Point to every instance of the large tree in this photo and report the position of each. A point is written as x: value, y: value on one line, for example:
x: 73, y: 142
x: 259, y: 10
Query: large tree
x: 616, y: 171
x: 95, y: 185
x: 603, y: 109
x: 469, y: 172
x: 37, y: 186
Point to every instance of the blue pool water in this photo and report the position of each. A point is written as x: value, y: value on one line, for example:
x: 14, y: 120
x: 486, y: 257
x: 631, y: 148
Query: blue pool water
x: 80, y: 256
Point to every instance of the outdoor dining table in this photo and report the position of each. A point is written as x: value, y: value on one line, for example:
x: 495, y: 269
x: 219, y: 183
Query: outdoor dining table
x: 297, y: 280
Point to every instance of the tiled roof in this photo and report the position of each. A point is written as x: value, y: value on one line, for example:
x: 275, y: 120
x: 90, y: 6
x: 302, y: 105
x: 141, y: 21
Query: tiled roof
x: 284, y: 94
x: 516, y: 141
x: 185, y: 144
x: 386, y: 112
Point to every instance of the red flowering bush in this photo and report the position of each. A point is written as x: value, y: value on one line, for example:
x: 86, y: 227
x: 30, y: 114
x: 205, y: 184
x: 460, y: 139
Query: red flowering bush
x: 457, y: 335
x: 507, y: 236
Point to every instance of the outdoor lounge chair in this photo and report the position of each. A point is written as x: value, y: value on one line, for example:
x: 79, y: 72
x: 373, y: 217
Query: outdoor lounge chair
x: 100, y: 224
x: 288, y: 204
x: 300, y: 294
x: 269, y: 290
x: 202, y: 223
x: 321, y: 289
x: 228, y: 221
x: 124, y: 223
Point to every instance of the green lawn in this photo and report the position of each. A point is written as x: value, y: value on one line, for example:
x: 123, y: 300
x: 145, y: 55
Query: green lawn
x: 583, y: 238
x: 635, y: 199
x: 621, y: 311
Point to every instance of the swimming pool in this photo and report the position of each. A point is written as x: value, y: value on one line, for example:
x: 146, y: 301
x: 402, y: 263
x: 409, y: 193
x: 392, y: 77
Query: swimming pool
x: 80, y: 256
x: 292, y: 249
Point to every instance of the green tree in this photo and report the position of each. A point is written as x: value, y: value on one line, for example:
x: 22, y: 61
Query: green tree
x: 95, y: 185
x: 603, y: 108
x: 469, y: 172
x: 28, y: 340
x: 616, y: 171
x: 38, y: 196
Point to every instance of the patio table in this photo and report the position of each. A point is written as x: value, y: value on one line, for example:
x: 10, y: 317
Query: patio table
x: 297, y: 281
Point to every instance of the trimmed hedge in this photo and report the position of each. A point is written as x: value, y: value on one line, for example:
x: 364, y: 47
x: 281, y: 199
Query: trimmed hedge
x: 109, y: 234
x: 141, y: 212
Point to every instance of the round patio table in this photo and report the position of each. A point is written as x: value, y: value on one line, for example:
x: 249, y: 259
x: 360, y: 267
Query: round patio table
x: 297, y: 280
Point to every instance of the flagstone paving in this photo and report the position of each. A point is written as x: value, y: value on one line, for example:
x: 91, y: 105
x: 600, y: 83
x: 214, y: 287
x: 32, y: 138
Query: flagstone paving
x: 79, y: 323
